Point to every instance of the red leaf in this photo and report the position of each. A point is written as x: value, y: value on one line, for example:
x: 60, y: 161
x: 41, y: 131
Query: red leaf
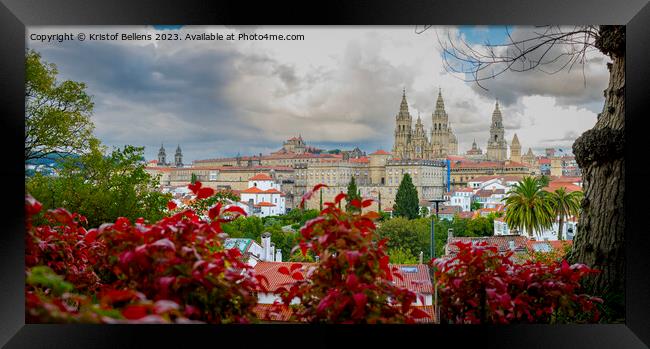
x: 214, y: 211
x: 32, y: 206
x: 171, y: 205
x: 204, y: 193
x: 134, y: 312
x: 297, y: 276
x: 235, y: 209
x: 419, y: 313
x: 295, y: 266
x: 356, y: 203
x: 283, y: 270
x: 352, y: 281
x: 340, y: 197
x: 303, y: 249
x: 366, y: 203
x: 195, y: 187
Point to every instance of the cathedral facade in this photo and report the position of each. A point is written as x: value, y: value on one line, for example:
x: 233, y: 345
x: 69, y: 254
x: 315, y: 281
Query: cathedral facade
x: 413, y: 142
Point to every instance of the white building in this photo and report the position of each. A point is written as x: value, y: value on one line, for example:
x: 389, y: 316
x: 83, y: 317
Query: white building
x: 462, y: 197
x: 254, y: 252
x: 263, y: 197
x: 569, y: 230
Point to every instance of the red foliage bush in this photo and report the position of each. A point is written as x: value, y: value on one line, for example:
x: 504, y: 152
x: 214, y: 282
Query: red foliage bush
x: 479, y: 285
x: 179, y: 260
x: 352, y: 280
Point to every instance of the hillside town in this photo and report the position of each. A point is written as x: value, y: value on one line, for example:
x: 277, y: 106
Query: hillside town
x: 471, y: 185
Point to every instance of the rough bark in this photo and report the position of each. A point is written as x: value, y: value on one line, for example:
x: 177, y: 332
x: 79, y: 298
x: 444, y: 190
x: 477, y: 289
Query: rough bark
x: 560, y: 226
x: 599, y: 153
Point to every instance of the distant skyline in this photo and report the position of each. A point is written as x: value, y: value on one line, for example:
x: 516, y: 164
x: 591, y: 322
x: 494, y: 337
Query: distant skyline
x: 340, y: 87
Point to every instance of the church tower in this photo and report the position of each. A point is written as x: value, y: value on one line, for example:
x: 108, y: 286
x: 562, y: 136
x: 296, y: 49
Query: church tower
x: 419, y: 142
x: 497, y: 147
x: 161, y: 156
x: 515, y: 149
x: 439, y: 132
x: 402, y: 130
x: 178, y: 157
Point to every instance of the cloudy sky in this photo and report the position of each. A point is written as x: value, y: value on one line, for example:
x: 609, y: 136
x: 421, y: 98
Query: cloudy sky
x: 340, y: 87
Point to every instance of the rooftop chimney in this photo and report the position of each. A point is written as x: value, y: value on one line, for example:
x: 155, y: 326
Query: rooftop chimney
x: 278, y: 255
x: 450, y: 233
x: 266, y: 246
x: 421, y: 257
x: 512, y: 245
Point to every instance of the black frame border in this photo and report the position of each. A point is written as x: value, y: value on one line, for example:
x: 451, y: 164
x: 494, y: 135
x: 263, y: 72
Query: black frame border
x: 15, y: 15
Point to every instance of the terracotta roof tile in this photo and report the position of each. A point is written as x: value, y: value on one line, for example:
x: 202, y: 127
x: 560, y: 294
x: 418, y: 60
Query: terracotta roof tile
x: 261, y: 177
x: 502, y: 242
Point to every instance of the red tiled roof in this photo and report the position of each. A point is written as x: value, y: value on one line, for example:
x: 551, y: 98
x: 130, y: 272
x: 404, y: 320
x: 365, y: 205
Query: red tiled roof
x: 380, y: 152
x: 464, y: 190
x: 505, y: 178
x: 261, y: 177
x: 544, y: 161
x: 451, y: 209
x: 555, y: 244
x: 252, y: 190
x: 275, y: 278
x: 502, y: 242
x: 264, y: 204
x: 362, y: 160
x: 569, y: 187
x: 468, y: 214
x: 418, y: 281
x: 272, y: 191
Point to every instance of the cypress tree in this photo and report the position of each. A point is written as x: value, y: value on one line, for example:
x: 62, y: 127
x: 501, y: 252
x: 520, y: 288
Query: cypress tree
x: 353, y: 193
x: 407, y: 203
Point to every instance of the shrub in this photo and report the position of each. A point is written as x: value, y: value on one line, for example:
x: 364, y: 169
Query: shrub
x: 352, y: 282
x: 178, y: 264
x: 479, y: 285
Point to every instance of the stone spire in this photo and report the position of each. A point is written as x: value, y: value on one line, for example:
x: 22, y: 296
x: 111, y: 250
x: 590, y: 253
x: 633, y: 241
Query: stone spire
x: 497, y: 145
x: 515, y: 149
x: 161, y: 156
x: 178, y: 157
x: 403, y: 126
x: 439, y: 131
x: 404, y: 106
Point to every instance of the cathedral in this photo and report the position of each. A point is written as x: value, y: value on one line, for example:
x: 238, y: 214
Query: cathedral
x: 414, y: 143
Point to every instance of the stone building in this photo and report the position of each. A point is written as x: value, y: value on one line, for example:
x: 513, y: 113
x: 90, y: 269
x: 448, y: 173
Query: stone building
x: 515, y: 149
x: 497, y: 147
x: 412, y: 142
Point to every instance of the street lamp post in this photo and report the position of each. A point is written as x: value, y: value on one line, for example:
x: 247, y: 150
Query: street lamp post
x: 433, y: 255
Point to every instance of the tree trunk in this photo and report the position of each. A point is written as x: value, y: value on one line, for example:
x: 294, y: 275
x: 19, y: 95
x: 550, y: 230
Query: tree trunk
x: 560, y: 224
x: 599, y: 153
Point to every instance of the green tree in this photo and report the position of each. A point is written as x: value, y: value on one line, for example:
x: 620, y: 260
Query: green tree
x: 407, y: 203
x: 400, y: 255
x: 193, y: 179
x: 353, y: 193
x: 424, y: 211
x: 475, y: 205
x: 102, y: 187
x: 528, y: 206
x: 565, y: 204
x: 57, y: 114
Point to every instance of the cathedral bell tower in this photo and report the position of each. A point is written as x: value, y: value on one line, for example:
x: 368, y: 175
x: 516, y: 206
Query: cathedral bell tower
x: 161, y: 156
x: 439, y: 130
x: 403, y: 123
x: 497, y: 147
x: 178, y: 157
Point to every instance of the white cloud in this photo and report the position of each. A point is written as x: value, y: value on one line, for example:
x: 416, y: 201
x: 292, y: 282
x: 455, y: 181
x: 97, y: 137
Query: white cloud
x: 341, y: 85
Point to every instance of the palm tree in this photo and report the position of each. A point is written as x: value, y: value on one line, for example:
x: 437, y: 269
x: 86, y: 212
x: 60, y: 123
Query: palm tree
x: 528, y: 206
x: 565, y: 204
